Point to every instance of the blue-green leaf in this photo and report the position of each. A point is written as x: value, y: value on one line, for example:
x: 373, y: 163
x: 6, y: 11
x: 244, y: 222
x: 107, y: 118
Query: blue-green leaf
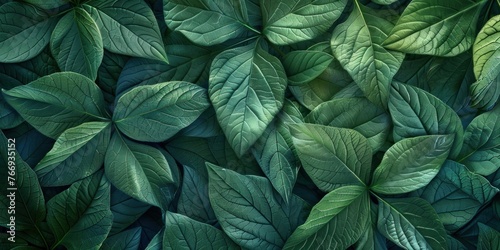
x: 126, y: 240
x: 302, y: 66
x: 126, y: 210
x: 489, y: 238
x: 193, y: 200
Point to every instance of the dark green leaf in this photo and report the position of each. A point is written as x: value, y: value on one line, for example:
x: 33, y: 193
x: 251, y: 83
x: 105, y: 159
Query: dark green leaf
x: 126, y: 210
x: 47, y: 4
x: 126, y: 240
x: 193, y: 200
x: 109, y: 72
x: 32, y: 146
x: 303, y: 66
x: 489, y: 238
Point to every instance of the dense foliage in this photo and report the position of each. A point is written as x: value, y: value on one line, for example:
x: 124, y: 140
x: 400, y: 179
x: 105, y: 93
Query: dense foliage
x: 271, y: 124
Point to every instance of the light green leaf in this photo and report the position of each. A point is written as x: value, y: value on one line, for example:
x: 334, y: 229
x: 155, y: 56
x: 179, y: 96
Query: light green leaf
x: 193, y: 200
x: 411, y: 164
x: 416, y: 112
x: 128, y: 27
x: 332, y: 157
x: 24, y: 31
x: 481, y: 148
x: 489, y: 238
x: 155, y: 113
x: 336, y: 222
x: 436, y: 27
x: 126, y: 210
x: 411, y: 223
x: 76, y: 43
x: 126, y: 240
x: 181, y: 232
x: 250, y: 212
x: 356, y: 43
x: 247, y: 89
x: 57, y: 102
x: 81, y: 210
x: 292, y: 21
x: 77, y: 153
x: 355, y: 113
x: 138, y: 170
x: 208, y: 22
x: 303, y: 66
x: 457, y: 194
x: 486, y: 50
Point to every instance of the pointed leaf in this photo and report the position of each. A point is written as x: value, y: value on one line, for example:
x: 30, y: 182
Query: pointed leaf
x: 155, y: 113
x: 411, y: 164
x: 332, y: 157
x: 302, y: 66
x: 193, y: 200
x: 76, y: 43
x: 247, y: 88
x: 57, y: 102
x: 436, y: 27
x: 77, y: 153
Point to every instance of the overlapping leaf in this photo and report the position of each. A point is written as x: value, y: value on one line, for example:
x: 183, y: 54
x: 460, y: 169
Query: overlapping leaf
x: 304, y: 66
x: 126, y: 210
x: 193, y: 200
x: 489, y: 238
x: 126, y: 240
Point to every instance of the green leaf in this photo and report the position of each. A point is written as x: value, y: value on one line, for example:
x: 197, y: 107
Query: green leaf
x: 47, y: 4
x: 24, y: 31
x: 355, y: 113
x: 9, y: 118
x: 155, y: 113
x: 193, y: 200
x: 76, y: 43
x: 207, y: 22
x: 126, y: 240
x: 332, y: 157
x: 181, y: 232
x: 81, y: 210
x: 384, y: 2
x: 108, y: 73
x: 247, y: 88
x: 156, y: 242
x: 356, y: 43
x: 411, y: 164
x: 481, y: 148
x: 303, y: 66
x: 128, y: 27
x: 336, y: 222
x: 486, y: 90
x: 126, y: 210
x: 57, y: 102
x: 411, y: 223
x: 249, y: 210
x: 489, y: 238
x: 77, y: 153
x: 454, y: 244
x: 416, y: 112
x: 371, y: 239
x: 457, y: 194
x: 436, y: 27
x: 287, y: 22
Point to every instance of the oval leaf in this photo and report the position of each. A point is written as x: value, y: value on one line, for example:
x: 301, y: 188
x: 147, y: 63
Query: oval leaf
x: 302, y: 66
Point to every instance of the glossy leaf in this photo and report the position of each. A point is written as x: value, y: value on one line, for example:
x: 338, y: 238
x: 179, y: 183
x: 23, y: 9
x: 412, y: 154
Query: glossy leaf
x: 249, y: 211
x: 24, y: 31
x: 332, y: 157
x: 76, y: 154
x: 411, y: 164
x: 155, y: 113
x: 287, y: 22
x: 356, y: 43
x: 436, y: 27
x: 304, y: 66
x: 76, y: 43
x: 247, y: 88
x: 336, y: 222
x: 57, y: 102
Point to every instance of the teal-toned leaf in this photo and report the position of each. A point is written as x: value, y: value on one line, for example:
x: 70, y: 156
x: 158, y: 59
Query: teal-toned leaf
x: 126, y: 240
x: 416, y: 112
x: 287, y: 22
x: 138, y: 170
x: 371, y: 239
x: 486, y: 50
x: 481, y: 148
x: 155, y: 113
x: 457, y: 194
x: 126, y: 210
x: 9, y: 118
x: 15, y: 74
x: 156, y: 242
x: 332, y: 157
x: 81, y: 210
x: 207, y: 22
x: 57, y: 102
x: 355, y: 113
x: 411, y: 164
x: 436, y: 27
x: 247, y: 88
x: 76, y: 154
x: 128, y: 27
x: 76, y: 43
x: 336, y: 222
x: 356, y: 43
x: 108, y: 73
x: 206, y: 125
x: 24, y: 31
x: 47, y: 4
x: 181, y: 232
x: 254, y: 216
x: 489, y: 238
x: 193, y: 200
x: 454, y: 244
x: 411, y: 223
x: 303, y: 66
x: 31, y: 145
